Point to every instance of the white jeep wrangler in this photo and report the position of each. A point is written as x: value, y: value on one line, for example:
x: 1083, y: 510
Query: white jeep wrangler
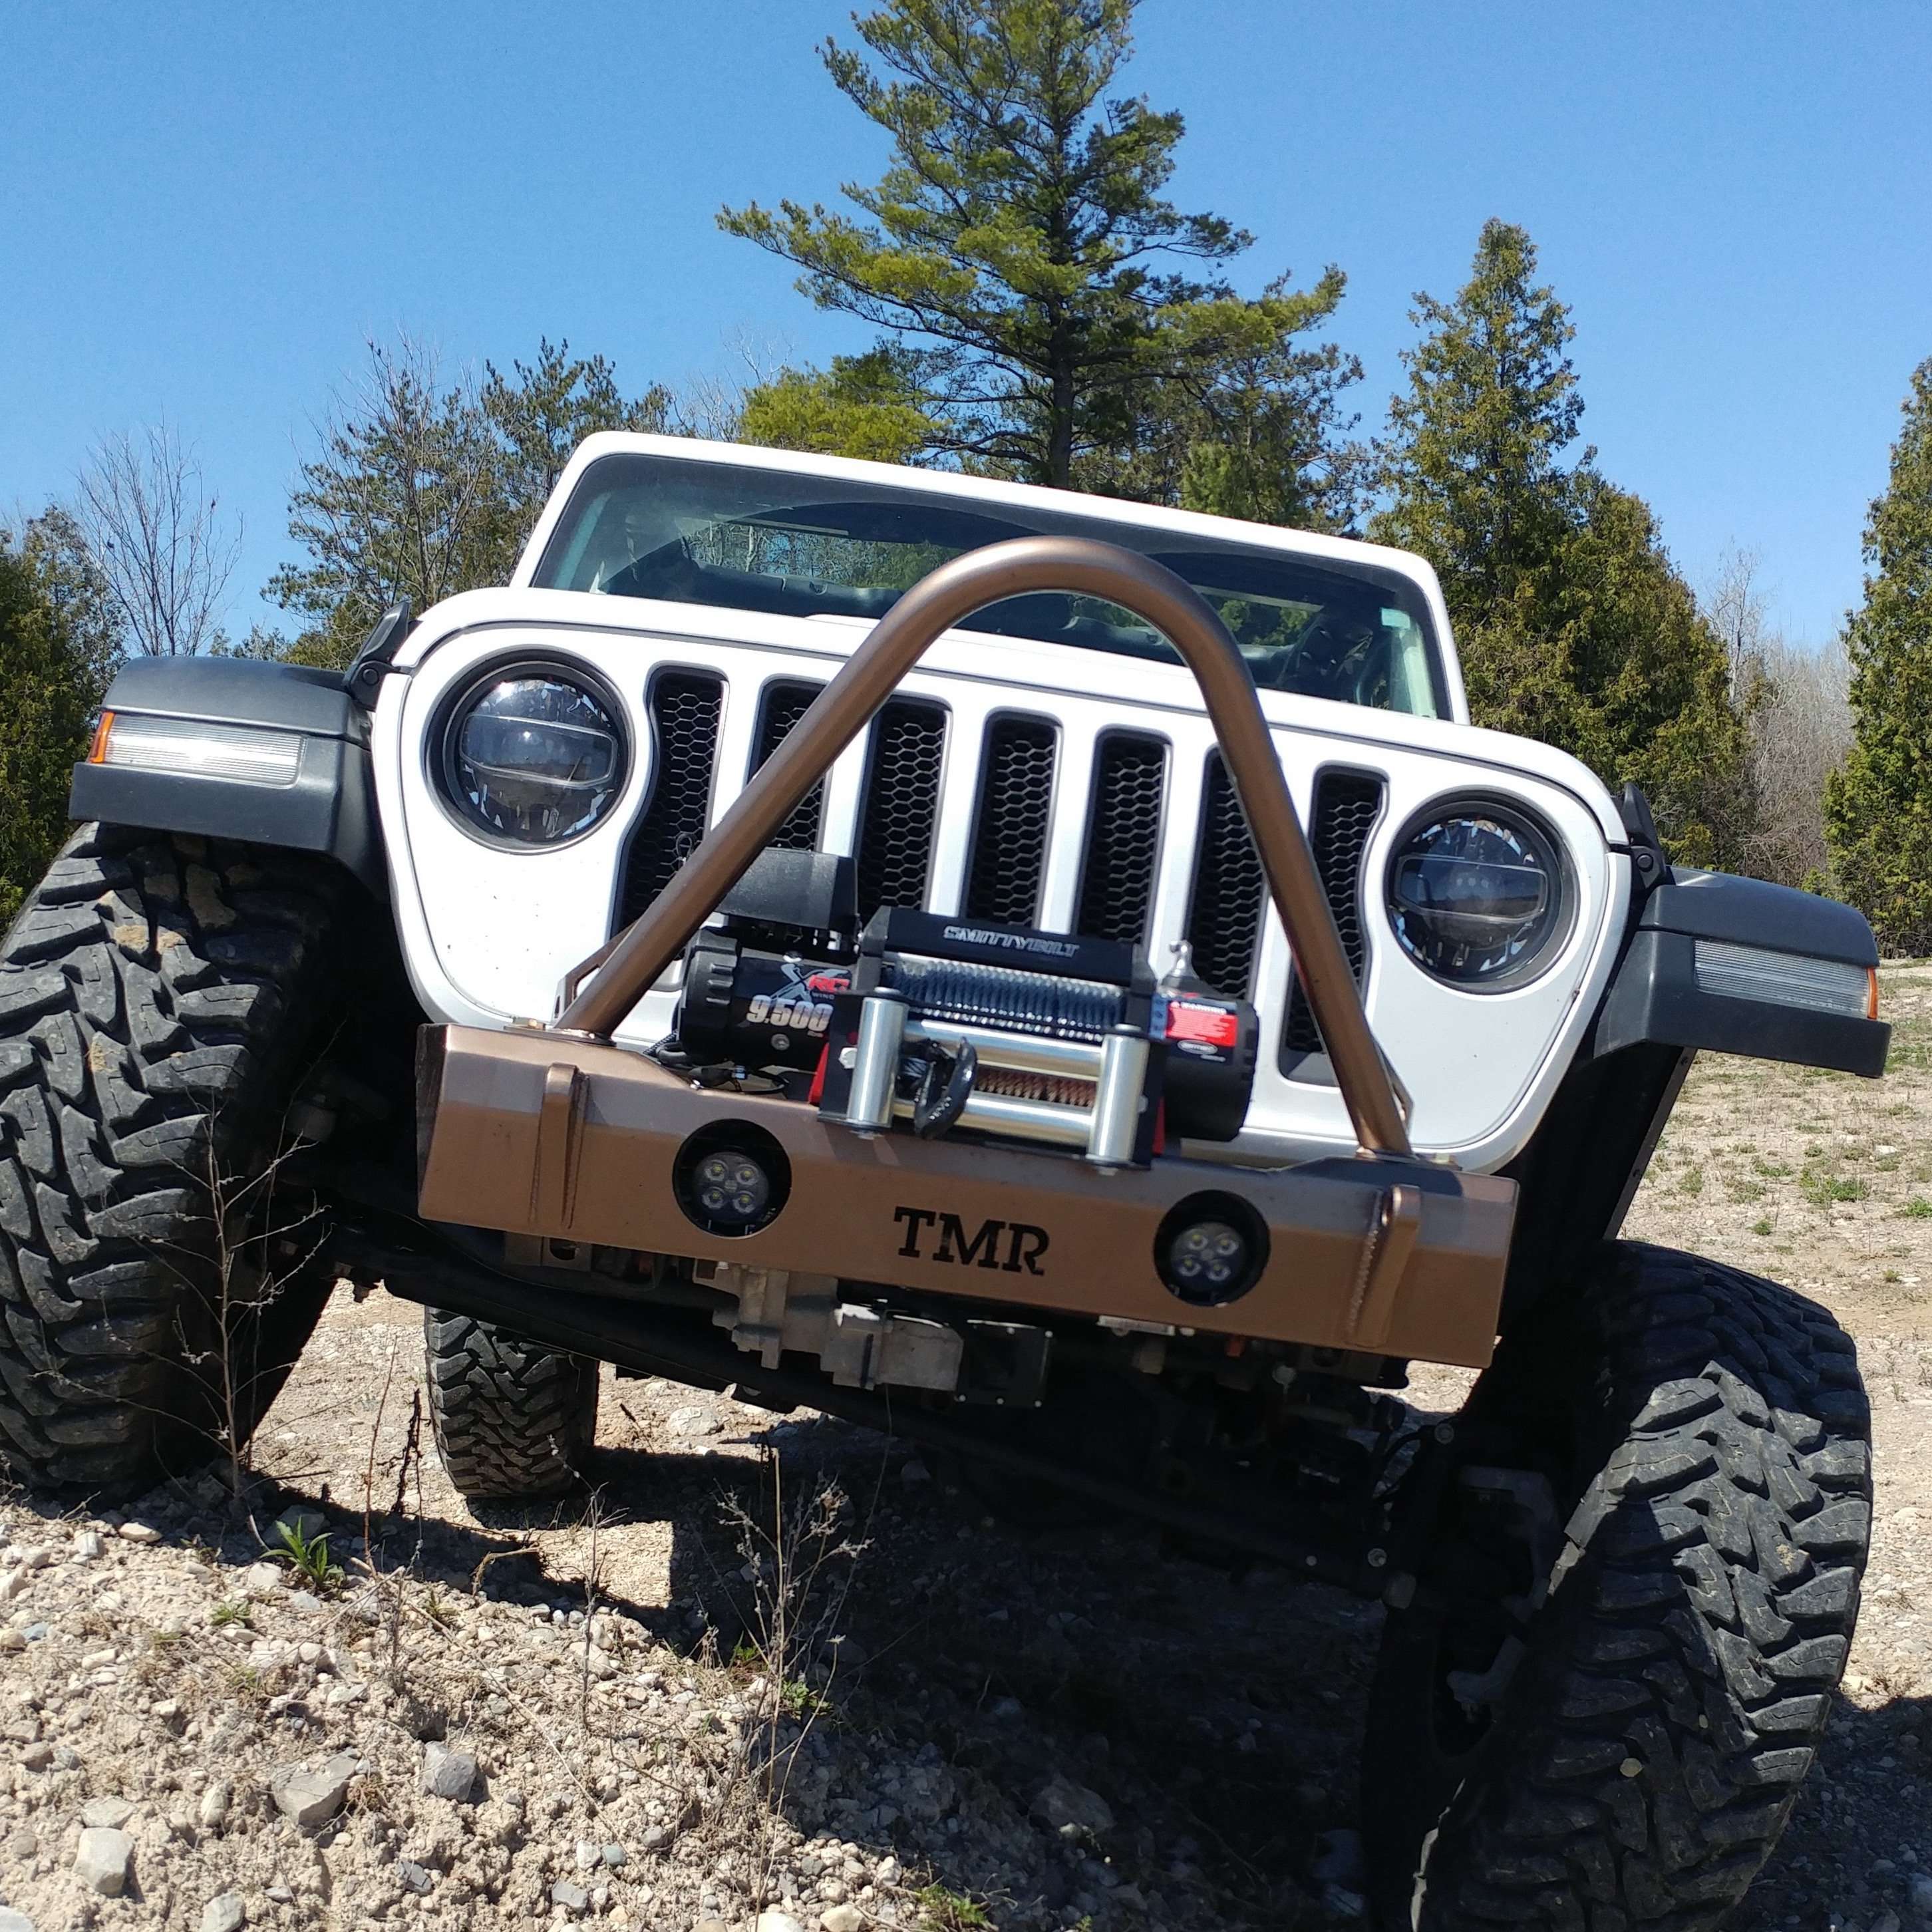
x: 848, y: 934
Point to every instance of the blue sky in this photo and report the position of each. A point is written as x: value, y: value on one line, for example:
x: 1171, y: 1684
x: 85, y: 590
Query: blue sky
x: 205, y: 211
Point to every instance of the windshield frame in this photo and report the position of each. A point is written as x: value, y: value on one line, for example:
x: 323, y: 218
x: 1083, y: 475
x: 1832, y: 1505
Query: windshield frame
x: 1172, y: 537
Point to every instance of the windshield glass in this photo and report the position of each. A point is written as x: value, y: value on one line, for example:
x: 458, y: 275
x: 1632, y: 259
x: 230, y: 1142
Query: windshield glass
x: 746, y: 539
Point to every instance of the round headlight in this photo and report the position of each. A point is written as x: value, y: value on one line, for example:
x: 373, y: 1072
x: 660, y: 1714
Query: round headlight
x: 533, y: 757
x: 1476, y: 894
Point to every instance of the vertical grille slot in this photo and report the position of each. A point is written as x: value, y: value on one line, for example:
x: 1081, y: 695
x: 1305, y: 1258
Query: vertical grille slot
x: 785, y: 701
x: 1224, y: 916
x: 685, y: 706
x: 1123, y: 850
x: 1010, y: 822
x: 901, y: 805
x: 1347, y: 804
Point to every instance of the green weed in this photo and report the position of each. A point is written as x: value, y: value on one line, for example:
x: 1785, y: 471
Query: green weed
x: 307, y: 1559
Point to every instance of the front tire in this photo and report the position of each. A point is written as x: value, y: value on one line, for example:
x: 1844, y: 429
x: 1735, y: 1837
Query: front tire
x: 514, y: 1420
x: 158, y: 996
x: 1638, y: 1764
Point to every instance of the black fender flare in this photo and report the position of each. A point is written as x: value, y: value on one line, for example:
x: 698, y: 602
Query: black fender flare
x: 1735, y: 965
x: 328, y: 806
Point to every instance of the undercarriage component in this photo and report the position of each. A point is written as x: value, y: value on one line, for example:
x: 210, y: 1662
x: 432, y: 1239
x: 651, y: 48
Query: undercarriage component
x: 859, y: 1347
x: 533, y: 1134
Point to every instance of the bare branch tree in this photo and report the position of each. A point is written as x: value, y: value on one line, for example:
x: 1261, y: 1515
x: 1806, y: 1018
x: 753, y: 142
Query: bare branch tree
x: 159, y: 539
x: 1801, y: 724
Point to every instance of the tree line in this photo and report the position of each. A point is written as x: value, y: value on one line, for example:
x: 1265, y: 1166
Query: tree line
x: 1044, y: 311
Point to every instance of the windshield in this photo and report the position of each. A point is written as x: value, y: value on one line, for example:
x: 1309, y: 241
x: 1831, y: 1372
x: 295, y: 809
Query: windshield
x: 747, y: 539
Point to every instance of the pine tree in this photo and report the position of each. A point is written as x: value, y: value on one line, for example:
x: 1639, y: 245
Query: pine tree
x: 1878, y: 809
x: 868, y: 406
x: 1574, y: 625
x: 53, y: 671
x: 1021, y: 238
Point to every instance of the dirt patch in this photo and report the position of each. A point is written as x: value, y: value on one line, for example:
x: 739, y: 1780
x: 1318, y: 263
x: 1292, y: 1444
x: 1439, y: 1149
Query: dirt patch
x: 1039, y: 1728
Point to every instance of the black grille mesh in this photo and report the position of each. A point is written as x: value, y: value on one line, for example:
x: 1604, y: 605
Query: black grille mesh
x: 1122, y: 838
x: 1224, y: 917
x: 684, y: 707
x: 786, y: 701
x: 1010, y: 821
x: 901, y: 806
x: 1347, y: 804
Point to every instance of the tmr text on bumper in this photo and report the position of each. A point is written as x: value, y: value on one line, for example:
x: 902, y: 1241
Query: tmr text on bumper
x: 558, y: 1133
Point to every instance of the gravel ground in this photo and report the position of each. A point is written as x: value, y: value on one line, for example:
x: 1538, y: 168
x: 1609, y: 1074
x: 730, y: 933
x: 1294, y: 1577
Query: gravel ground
x: 584, y: 1714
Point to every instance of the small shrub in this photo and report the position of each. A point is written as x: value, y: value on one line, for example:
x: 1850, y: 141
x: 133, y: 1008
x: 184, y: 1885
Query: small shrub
x: 944, y: 1911
x: 1821, y: 1188
x: 1917, y: 1209
x: 234, y: 1610
x: 1691, y: 1182
x: 1761, y: 1227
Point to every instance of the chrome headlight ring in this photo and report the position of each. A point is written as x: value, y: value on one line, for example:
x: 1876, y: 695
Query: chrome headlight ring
x: 1478, y: 893
x: 530, y: 754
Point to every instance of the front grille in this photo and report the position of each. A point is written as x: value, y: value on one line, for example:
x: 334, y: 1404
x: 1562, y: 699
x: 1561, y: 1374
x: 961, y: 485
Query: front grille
x: 1224, y: 916
x: 1011, y: 820
x: 1347, y: 804
x: 901, y: 805
x: 684, y: 707
x: 1123, y: 854
x: 1008, y: 792
x: 786, y: 701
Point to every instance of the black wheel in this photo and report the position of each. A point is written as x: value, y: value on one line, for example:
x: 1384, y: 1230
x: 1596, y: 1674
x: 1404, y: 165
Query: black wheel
x: 1615, y: 1737
x: 513, y: 1418
x: 160, y: 998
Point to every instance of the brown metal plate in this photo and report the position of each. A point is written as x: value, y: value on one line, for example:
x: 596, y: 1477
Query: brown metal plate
x: 1401, y: 1257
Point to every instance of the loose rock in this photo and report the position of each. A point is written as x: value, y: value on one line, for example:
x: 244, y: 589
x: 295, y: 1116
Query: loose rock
x: 107, y: 1814
x: 225, y: 1913
x: 312, y: 1797
x: 1918, y: 1896
x: 570, y: 1897
x: 448, y: 1773
x: 105, y: 1861
x: 1064, y: 1806
x: 87, y: 1546
x: 15, y: 1921
x: 413, y: 1877
x: 841, y: 1919
x: 139, y: 1532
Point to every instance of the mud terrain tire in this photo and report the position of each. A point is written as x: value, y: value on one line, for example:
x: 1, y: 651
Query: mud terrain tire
x: 158, y: 996
x: 514, y: 1420
x: 1641, y: 1764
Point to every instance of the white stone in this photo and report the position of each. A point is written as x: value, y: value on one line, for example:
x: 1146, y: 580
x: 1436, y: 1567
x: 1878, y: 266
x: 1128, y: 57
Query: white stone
x: 87, y: 1546
x: 12, y: 1583
x: 312, y: 1797
x: 139, y: 1532
x: 214, y: 1802
x: 224, y: 1914
x: 262, y: 1580
x: 107, y: 1814
x: 104, y: 1861
x: 15, y: 1921
x: 841, y: 1919
x: 778, y: 1921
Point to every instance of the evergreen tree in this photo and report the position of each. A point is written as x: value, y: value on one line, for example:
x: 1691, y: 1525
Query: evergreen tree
x: 1573, y: 624
x: 867, y: 406
x: 1878, y: 809
x: 53, y: 672
x: 1021, y: 236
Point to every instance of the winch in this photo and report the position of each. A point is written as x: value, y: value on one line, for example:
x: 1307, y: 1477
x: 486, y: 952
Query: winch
x: 936, y: 1024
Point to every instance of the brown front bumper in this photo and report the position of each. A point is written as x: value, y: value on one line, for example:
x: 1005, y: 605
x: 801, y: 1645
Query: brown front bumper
x: 536, y: 1133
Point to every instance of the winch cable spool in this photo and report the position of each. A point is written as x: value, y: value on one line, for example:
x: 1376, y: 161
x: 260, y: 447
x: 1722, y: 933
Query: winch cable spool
x: 1004, y: 996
